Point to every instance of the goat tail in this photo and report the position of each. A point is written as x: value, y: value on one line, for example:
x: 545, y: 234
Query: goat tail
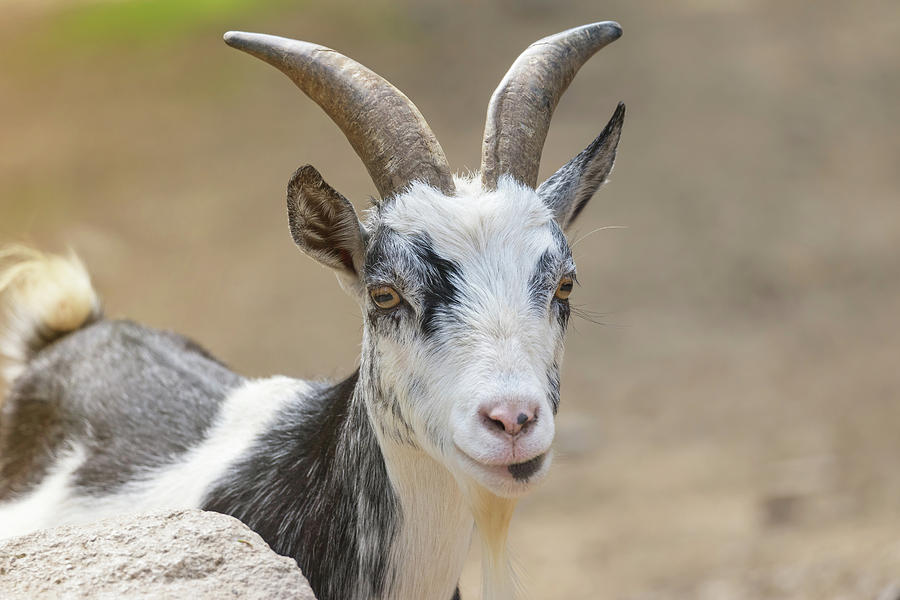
x: 43, y: 297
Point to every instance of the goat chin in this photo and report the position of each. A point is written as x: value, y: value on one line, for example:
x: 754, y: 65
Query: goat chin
x: 492, y: 518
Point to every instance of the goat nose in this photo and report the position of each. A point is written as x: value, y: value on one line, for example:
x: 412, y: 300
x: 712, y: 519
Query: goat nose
x: 510, y: 418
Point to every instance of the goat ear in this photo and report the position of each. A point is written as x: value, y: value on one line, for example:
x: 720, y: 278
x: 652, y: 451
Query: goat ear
x: 568, y: 190
x: 324, y: 224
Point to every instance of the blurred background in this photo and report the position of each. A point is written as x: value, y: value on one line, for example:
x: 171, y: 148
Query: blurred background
x: 730, y: 427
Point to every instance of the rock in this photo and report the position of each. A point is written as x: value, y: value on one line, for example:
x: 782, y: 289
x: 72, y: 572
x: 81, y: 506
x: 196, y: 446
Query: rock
x: 177, y: 555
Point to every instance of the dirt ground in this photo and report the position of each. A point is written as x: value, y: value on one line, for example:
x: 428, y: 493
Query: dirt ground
x: 729, y: 429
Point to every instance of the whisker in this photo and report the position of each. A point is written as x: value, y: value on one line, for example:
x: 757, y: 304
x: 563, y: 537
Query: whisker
x: 588, y: 315
x: 595, y: 317
x: 575, y: 243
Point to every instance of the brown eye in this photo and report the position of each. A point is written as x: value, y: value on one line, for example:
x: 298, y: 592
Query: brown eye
x: 564, y: 288
x: 384, y: 296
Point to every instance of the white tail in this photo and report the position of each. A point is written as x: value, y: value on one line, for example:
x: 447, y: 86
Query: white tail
x: 44, y: 296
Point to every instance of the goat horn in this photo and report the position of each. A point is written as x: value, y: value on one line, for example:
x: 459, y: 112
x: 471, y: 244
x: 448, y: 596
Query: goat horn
x: 519, y: 113
x: 384, y: 127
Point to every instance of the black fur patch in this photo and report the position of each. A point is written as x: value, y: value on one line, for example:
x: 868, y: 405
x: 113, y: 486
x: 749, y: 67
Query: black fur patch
x: 553, y: 264
x: 543, y: 280
x: 441, y: 292
x: 309, y: 493
x: 390, y: 254
x: 563, y: 311
x: 553, y: 378
x: 522, y: 471
x: 392, y: 258
x: 381, y: 255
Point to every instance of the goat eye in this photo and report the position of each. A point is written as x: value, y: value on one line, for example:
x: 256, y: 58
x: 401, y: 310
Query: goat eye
x: 385, y: 297
x: 564, y: 288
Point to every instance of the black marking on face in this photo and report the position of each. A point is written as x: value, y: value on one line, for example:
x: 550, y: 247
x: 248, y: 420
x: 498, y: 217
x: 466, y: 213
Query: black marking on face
x: 523, y: 471
x: 411, y: 262
x: 563, y: 311
x: 386, y: 259
x: 553, y: 379
x: 384, y: 266
x: 441, y: 292
x: 555, y: 263
x: 562, y: 306
x: 543, y: 279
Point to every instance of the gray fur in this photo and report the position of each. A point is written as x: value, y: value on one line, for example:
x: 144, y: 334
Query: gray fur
x: 134, y: 397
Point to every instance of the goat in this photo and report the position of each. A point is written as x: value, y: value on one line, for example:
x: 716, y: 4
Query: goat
x: 375, y: 484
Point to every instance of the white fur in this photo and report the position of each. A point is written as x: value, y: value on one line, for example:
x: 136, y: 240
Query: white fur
x: 245, y: 414
x: 437, y: 525
x: 40, y: 508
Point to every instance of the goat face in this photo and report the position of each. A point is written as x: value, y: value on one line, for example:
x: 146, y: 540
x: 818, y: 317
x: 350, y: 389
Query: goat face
x: 464, y: 358
x: 465, y: 303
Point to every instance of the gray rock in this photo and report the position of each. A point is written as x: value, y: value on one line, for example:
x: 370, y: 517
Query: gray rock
x: 190, y: 554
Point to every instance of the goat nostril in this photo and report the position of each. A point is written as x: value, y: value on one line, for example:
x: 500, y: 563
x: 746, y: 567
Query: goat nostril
x: 522, y: 418
x: 498, y: 424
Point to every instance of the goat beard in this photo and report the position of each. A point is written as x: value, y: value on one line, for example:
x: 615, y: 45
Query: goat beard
x: 492, y: 518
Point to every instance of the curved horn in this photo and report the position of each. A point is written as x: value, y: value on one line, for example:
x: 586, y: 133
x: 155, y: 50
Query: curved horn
x: 519, y: 113
x: 385, y: 128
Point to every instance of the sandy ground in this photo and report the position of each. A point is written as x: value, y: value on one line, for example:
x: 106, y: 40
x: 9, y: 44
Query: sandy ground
x: 728, y: 430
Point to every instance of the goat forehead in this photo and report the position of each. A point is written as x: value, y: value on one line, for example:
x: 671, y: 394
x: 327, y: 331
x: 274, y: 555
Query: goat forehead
x: 476, y: 226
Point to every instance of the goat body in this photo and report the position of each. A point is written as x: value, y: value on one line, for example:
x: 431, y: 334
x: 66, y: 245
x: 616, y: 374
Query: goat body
x: 296, y: 461
x: 374, y: 484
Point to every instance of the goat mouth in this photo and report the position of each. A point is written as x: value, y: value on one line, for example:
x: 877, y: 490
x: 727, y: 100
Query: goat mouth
x: 523, y: 471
